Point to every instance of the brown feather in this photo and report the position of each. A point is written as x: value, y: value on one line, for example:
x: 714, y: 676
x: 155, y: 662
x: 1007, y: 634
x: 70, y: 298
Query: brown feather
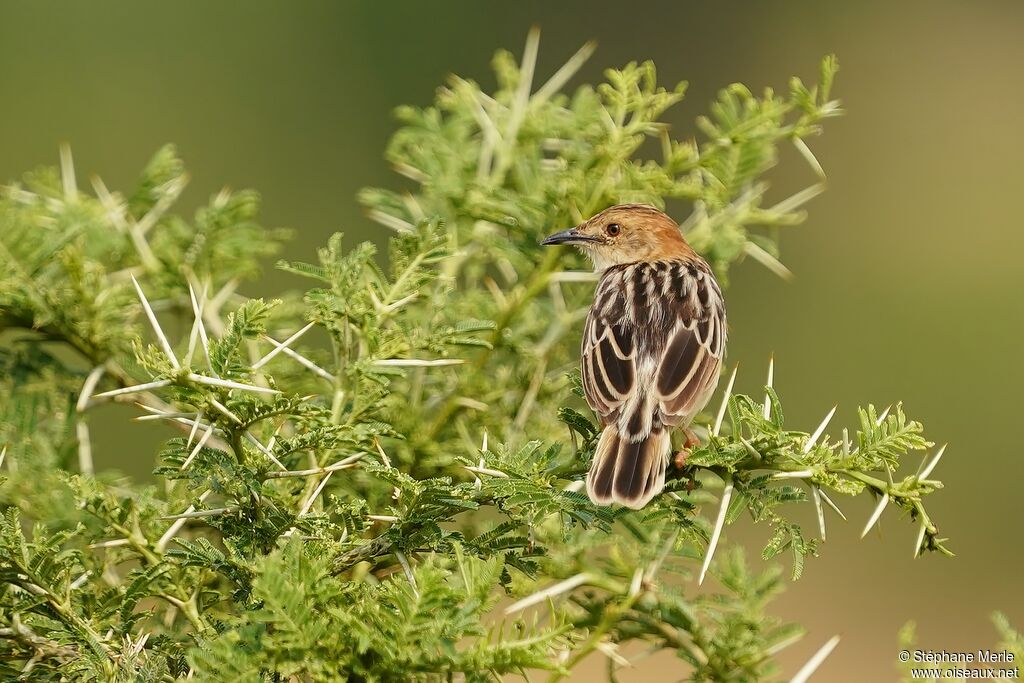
x: 652, y: 346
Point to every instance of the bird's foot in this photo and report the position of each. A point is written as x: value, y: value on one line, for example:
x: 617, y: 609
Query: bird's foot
x: 691, y: 442
x: 691, y: 439
x: 679, y: 459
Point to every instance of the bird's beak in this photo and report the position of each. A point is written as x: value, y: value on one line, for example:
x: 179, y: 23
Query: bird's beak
x: 570, y: 236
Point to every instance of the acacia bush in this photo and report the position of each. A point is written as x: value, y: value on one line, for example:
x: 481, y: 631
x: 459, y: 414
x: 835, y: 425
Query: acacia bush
x: 379, y: 479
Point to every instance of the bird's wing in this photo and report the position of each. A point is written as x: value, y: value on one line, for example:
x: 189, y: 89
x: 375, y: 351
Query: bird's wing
x: 607, y: 360
x: 653, y: 343
x: 692, y: 357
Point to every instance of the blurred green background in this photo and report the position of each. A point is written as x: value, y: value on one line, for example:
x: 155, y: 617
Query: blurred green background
x: 908, y: 270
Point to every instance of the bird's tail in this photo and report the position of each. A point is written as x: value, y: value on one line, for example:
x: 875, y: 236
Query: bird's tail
x: 627, y: 471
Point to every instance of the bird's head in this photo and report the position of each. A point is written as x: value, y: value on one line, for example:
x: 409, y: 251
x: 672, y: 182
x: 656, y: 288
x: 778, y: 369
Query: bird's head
x: 627, y: 233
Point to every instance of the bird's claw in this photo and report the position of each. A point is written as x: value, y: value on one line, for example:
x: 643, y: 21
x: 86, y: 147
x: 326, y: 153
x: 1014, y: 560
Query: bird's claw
x: 679, y: 459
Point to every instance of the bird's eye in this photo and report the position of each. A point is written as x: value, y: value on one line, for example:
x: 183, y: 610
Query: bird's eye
x: 613, y: 229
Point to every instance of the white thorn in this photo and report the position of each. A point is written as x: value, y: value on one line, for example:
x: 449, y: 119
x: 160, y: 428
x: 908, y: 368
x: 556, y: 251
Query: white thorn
x: 172, y: 530
x: 717, y: 533
x: 395, y: 305
x: 84, y: 446
x: 355, y: 457
x: 818, y: 432
x: 483, y: 470
x: 266, y: 451
x: 116, y: 215
x: 67, y: 173
x: 316, y: 492
x: 771, y: 380
x: 139, y: 644
x: 273, y: 437
x: 148, y: 386
x: 876, y: 514
x: 80, y: 581
x: 279, y: 347
x: 814, y: 662
x: 223, y: 294
x: 521, y: 99
x: 88, y: 387
x: 828, y: 501
x: 383, y: 456
x: 655, y: 566
x: 795, y: 474
x: 407, y: 568
x: 798, y: 199
x: 809, y: 157
x: 920, y: 539
x: 846, y: 441
x: 417, y: 363
x: 768, y: 260
x: 195, y: 427
x: 228, y: 384
x: 165, y: 416
x: 637, y: 583
x: 610, y: 650
x: 224, y: 410
x: 198, y: 328
x: 345, y: 464
x: 467, y: 402
x: 931, y: 466
x: 199, y: 446
x: 816, y: 495
x: 3, y: 454
x: 725, y: 402
x: 564, y: 73
x: 565, y: 586
x: 881, y: 418
x: 382, y: 518
x: 783, y: 644
x: 114, y: 211
x: 302, y: 360
x: 174, y: 190
x: 116, y: 543
x: 154, y: 410
x: 156, y: 325
x: 477, y: 483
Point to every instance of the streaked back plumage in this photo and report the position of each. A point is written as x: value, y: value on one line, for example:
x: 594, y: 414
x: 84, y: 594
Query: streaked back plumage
x: 651, y: 353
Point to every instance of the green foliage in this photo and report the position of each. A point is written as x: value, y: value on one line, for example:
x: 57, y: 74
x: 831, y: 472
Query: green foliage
x: 397, y: 495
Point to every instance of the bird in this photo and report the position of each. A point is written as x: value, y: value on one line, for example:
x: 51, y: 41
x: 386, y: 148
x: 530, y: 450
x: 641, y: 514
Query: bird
x: 652, y: 346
